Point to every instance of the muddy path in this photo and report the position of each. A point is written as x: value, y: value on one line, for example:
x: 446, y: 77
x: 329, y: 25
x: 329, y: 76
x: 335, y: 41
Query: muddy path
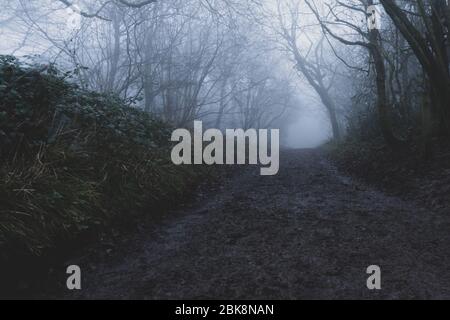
x: 306, y: 233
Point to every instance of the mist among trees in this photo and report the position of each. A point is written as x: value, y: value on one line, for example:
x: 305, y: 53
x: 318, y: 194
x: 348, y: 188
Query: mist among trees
x: 240, y: 64
x: 90, y: 91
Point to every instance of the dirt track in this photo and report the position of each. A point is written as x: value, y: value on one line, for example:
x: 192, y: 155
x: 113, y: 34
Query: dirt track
x: 305, y: 233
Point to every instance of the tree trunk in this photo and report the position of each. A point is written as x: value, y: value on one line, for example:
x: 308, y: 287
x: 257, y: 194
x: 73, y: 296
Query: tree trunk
x: 430, y: 49
x: 382, y: 100
x: 331, y: 108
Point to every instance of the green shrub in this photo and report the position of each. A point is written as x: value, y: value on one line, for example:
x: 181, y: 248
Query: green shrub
x: 73, y: 161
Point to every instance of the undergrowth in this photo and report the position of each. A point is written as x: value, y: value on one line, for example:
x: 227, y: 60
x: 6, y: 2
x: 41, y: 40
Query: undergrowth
x: 74, y: 162
x: 405, y: 173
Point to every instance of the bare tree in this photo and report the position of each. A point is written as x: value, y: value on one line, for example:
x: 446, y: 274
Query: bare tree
x: 429, y: 40
x: 309, y: 63
x: 371, y: 40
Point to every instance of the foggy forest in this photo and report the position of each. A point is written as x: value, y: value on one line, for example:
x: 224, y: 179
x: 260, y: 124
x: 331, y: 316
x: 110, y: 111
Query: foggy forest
x: 354, y: 96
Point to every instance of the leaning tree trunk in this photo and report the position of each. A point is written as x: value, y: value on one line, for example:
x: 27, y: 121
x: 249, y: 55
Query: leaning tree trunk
x: 331, y: 108
x: 430, y: 49
x: 315, y: 80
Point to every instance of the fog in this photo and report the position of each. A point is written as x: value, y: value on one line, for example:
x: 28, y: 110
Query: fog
x: 95, y: 93
x: 262, y: 64
x: 308, y: 131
